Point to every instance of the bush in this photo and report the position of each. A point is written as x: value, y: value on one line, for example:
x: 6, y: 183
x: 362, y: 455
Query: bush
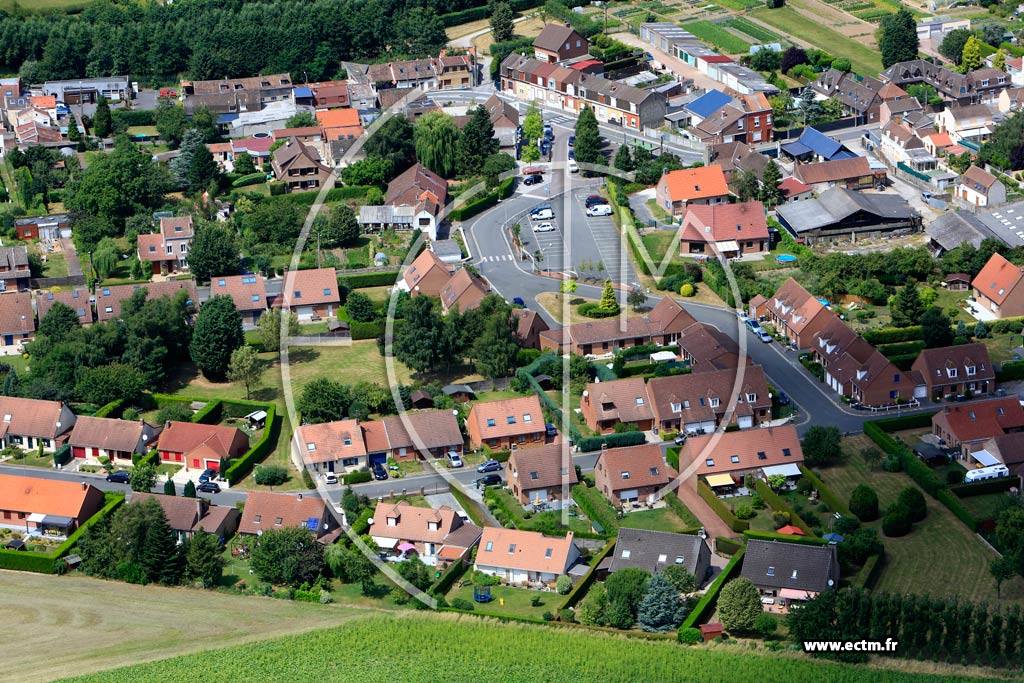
x: 864, y: 503
x: 592, y: 309
x: 912, y: 498
x: 463, y: 604
x: 563, y: 584
x: 745, y: 511
x: 270, y: 475
x: 687, y: 289
x: 690, y: 636
x: 897, y: 521
x: 892, y: 464
x: 250, y: 179
x: 358, y: 477
x: 765, y: 624
x: 594, y: 443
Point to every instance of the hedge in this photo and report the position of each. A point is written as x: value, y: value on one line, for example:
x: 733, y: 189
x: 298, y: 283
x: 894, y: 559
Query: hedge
x: 645, y: 350
x: 483, y: 202
x: 1010, y: 371
x: 470, y: 507
x: 704, y: 606
x: 357, y: 477
x: 901, y: 348
x: 904, y: 361
x: 370, y: 330
x: 595, y: 507
x: 384, y: 278
x: 483, y: 12
x: 112, y: 409
x: 594, y: 443
x: 526, y: 374
x: 917, y: 470
x: 912, y: 421
x: 947, y: 498
x: 672, y: 457
x: 892, y: 335
x: 449, y: 576
x: 250, y: 179
x: 132, y: 117
x: 776, y: 502
x: 833, y: 501
x: 783, y: 538
x: 682, y: 512
x: 239, y: 468
x: 720, y: 508
x: 506, y: 514
x: 581, y: 587
x: 362, y: 523
x: 62, y: 456
x: 209, y: 414
x: 150, y: 458
x: 869, y: 573
x: 726, y: 545
x: 980, y: 488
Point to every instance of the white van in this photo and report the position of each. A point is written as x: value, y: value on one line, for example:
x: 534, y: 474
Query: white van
x: 991, y: 472
x: 543, y: 215
x: 600, y: 210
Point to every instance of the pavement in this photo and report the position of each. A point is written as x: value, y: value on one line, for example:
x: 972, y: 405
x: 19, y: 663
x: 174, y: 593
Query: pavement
x: 71, y: 256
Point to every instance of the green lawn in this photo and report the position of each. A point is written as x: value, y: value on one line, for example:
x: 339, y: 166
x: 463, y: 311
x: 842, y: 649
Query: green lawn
x: 662, y: 519
x: 865, y: 60
x: 718, y: 37
x: 939, y: 557
x: 516, y: 600
x: 56, y: 265
x: 985, y: 507
x: 658, y: 243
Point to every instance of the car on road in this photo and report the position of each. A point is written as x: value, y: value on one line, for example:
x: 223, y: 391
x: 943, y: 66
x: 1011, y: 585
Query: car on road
x: 330, y: 478
x: 518, y: 301
x: 764, y: 336
x: 455, y: 459
x: 533, y: 179
x: 544, y: 227
x: 208, y: 487
x: 120, y: 477
x: 379, y: 473
x: 680, y: 439
x: 545, y: 214
x: 783, y: 399
x: 489, y: 480
x: 489, y: 466
x: 572, y: 140
x: 533, y: 170
x: 573, y: 166
x: 209, y: 474
x: 594, y: 200
x: 599, y: 210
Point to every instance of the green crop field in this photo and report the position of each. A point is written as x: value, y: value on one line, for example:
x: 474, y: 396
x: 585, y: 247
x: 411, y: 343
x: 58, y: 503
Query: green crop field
x: 717, y: 36
x: 468, y: 649
x: 755, y: 31
x: 865, y: 60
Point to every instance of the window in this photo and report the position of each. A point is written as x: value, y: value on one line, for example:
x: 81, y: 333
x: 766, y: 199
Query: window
x: 626, y: 554
x: 751, y: 397
x: 255, y: 297
x: 511, y: 419
x: 715, y: 403
x: 951, y: 372
x: 971, y: 371
x: 221, y: 282
x: 625, y: 475
x: 686, y: 404
x: 709, y: 462
x: 761, y: 455
x: 676, y: 407
x: 771, y: 571
x: 662, y: 558
x: 327, y: 291
x: 347, y: 441
x: 257, y: 518
x: 639, y: 400
x: 787, y: 452
x: 679, y: 559
x: 432, y: 526
x: 757, y: 121
x: 349, y: 462
x: 310, y: 446
x: 490, y: 422
x: 298, y: 294
x: 278, y: 521
x: 794, y: 575
x: 489, y: 546
x: 534, y: 476
x: 701, y: 402
x: 549, y: 552
x: 511, y: 548
x: 527, y: 418
x: 735, y: 459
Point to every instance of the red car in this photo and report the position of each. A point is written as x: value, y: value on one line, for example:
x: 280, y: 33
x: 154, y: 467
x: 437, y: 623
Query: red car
x: 530, y: 170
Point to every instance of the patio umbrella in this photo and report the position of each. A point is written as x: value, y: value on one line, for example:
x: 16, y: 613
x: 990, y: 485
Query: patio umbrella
x: 790, y: 530
x: 834, y: 537
x: 406, y: 547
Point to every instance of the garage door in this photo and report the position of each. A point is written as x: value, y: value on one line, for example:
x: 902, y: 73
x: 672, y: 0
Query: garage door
x: 631, y: 494
x: 746, y: 422
x: 921, y: 391
x: 78, y: 451
x: 213, y: 465
x: 381, y: 458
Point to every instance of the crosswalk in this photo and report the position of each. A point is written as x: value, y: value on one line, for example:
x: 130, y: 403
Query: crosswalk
x: 559, y: 120
x: 500, y: 257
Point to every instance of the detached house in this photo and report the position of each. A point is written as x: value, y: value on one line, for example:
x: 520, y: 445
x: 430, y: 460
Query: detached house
x: 724, y: 230
x: 502, y: 425
x: 529, y: 326
x: 790, y: 572
x: 655, y: 551
x: 559, y: 43
x: 249, y: 292
x: 423, y: 193
x: 525, y: 557
x: 438, y: 536
x: 189, y: 516
x: 463, y: 292
x: 796, y: 314
x: 14, y: 270
x: 427, y: 274
x: 167, y: 250
x: 997, y: 288
x: 298, y: 166
x: 852, y: 173
x: 762, y: 452
x: 96, y: 437
x: 265, y: 511
x: 31, y: 424
x: 632, y: 475
x: 17, y: 320
x: 965, y: 426
x: 956, y: 371
x: 605, y: 405
x: 539, y: 475
x: 75, y: 299
x: 310, y: 294
x: 703, y: 185
x: 698, y: 402
x: 49, y: 506
x: 201, y: 446
x: 979, y: 188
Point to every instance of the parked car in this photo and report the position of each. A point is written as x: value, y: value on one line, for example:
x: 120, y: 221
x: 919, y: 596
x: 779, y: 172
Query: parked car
x: 752, y: 325
x: 209, y: 474
x: 330, y: 478
x: 783, y: 399
x: 572, y: 154
x: 544, y: 227
x: 765, y: 337
x: 599, y: 210
x: 680, y: 439
x: 594, y: 199
x: 543, y: 215
x: 533, y: 170
x: 533, y: 179
x: 455, y: 459
x: 538, y: 209
x: 208, y: 487
x: 573, y: 166
x: 379, y: 473
x: 120, y: 477
x: 572, y: 140
x: 550, y: 430
x: 489, y: 480
x: 489, y: 466
x: 518, y: 301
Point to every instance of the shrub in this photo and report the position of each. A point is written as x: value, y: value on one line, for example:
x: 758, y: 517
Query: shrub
x: 912, y: 498
x: 690, y: 636
x: 359, y: 477
x: 745, y: 511
x: 864, y: 503
x: 765, y: 624
x: 270, y: 475
x: 592, y: 309
x: 892, y: 464
x: 563, y: 585
x: 897, y: 521
x: 463, y: 604
x: 687, y: 289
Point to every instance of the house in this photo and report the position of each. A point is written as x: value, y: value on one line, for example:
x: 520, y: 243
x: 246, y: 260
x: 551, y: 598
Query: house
x: 167, y: 250
x: 76, y: 299
x: 678, y: 189
x: 540, y: 475
x: 529, y: 326
x: 249, y: 292
x: 31, y: 424
x: 310, y: 294
x: 110, y: 299
x: 632, y: 475
x: 46, y: 506
x: 997, y: 288
x: 706, y: 106
x: 201, y: 446
x: 937, y: 143
x: 962, y: 370
x: 699, y: 402
x: 979, y: 188
x: 724, y: 230
x: 787, y: 572
x: 707, y: 349
x: 792, y: 190
x: 334, y: 446
x: 1010, y: 100
x: 965, y: 426
x: 655, y: 551
x: 232, y: 96
x: 972, y: 122
x: 605, y: 405
x: 955, y: 228
x: 17, y: 320
x: 455, y: 71
x: 813, y: 145
x: 189, y: 516
x: 662, y: 326
x: 257, y: 148
x: 898, y: 111
x: 860, y: 98
x: 900, y: 144
x: 340, y: 124
x: 298, y: 166
x: 463, y: 292
x: 93, y: 438
x: 504, y: 119
x: 842, y: 214
x: 264, y: 511
x: 559, y: 43
x: 438, y: 535
x: 14, y: 270
x: 853, y: 173
x: 80, y: 90
x: 525, y: 557
x: 761, y: 452
x: 734, y: 158
x: 796, y: 314
x: 329, y: 94
x: 502, y: 425
x: 425, y: 192
x: 427, y: 274
x: 981, y: 85
x: 1006, y: 449
x: 415, y: 434
x: 47, y: 228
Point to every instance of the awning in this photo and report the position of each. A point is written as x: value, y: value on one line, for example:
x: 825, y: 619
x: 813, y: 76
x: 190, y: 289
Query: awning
x: 36, y: 517
x: 662, y: 356
x: 985, y: 458
x: 715, y: 480
x: 975, y: 132
x: 387, y: 543
x: 788, y: 470
x: 727, y: 245
x: 50, y: 520
x: 792, y: 594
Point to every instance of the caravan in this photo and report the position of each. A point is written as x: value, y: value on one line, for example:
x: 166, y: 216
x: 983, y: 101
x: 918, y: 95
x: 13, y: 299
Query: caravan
x: 991, y: 472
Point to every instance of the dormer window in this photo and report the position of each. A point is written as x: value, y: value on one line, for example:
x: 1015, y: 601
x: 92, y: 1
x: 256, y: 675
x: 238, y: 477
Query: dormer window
x: 432, y: 526
x: 951, y: 372
x: 751, y: 397
x: 972, y: 370
x: 715, y: 402
x: 676, y: 407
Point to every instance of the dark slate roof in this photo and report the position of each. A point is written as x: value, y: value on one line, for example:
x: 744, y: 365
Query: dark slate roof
x: 823, y: 145
x: 837, y: 204
x: 646, y: 548
x: 778, y: 564
x: 951, y: 230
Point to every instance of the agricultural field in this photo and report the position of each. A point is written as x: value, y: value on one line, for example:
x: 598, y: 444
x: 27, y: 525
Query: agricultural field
x: 865, y: 59
x: 717, y: 36
x: 475, y: 650
x: 755, y: 31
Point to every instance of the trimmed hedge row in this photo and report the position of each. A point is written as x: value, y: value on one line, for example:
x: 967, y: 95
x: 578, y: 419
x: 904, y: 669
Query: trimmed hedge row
x: 892, y: 335
x: 359, y: 280
x: 449, y: 576
x: 577, y: 592
x: 595, y: 507
x: 871, y: 570
x: 1010, y: 371
x: 776, y: 502
x: 370, y: 330
x: 721, y: 509
x: 250, y: 179
x: 62, y: 456
x: 704, y: 607
x: 912, y: 421
x: 241, y: 467
x: 594, y: 443
x: 209, y: 414
x: 784, y: 538
x: 904, y: 361
x: 901, y: 348
x: 980, y: 488
x: 470, y: 507
x: 150, y: 458
x: 483, y: 12
x: 112, y: 409
x: 132, y: 117
x: 827, y: 496
x: 484, y: 202
x: 357, y: 477
x: 727, y: 546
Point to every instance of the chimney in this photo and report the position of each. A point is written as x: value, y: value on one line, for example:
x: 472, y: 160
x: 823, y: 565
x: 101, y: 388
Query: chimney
x: 85, y: 486
x: 300, y: 496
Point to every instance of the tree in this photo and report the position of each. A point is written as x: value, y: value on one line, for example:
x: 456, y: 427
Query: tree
x: 935, y: 329
x: 246, y: 368
x: 476, y: 142
x: 202, y: 170
x: 809, y: 106
x: 770, y: 179
x: 1002, y: 568
x: 181, y: 165
x: 999, y: 60
x: 588, y: 138
x: 416, y: 573
x: 268, y: 328
x: 747, y: 185
x: 980, y: 330
x: 793, y: 56
x: 369, y: 171
x: 897, y: 521
x: 437, y: 142
x: 161, y: 557
x: 324, y: 400
x: 105, y: 383
x: 351, y: 566
x: 143, y: 477
x: 243, y: 164
x: 563, y: 585
x: 970, y: 58
x: 169, y: 489
x: 495, y: 165
x: 842, y: 64
x: 680, y: 578
x: 624, y: 160
x: 864, y: 503
x: 190, y: 489
x: 502, y: 26
x: 102, y: 125
x: 360, y: 308
x: 959, y: 164
x: 822, y: 445
x: 302, y: 119
x: 170, y: 123
x: 533, y: 123
x: 590, y: 611
x: 496, y: 348
x: 213, y: 252
x: 339, y: 228
x: 205, y: 122
x: 626, y: 588
x: 661, y: 608
x: 912, y: 498
x: 74, y: 135
x: 765, y: 60
x: 217, y: 333
x: 952, y: 45
x: 897, y: 38
x: 608, y: 304
x: 58, y: 322
x: 204, y: 559
x: 739, y: 605
x: 417, y: 339
x: 567, y: 286
x: 872, y: 456
x: 636, y: 298
x: 287, y: 556
x: 906, y: 306
x: 393, y: 141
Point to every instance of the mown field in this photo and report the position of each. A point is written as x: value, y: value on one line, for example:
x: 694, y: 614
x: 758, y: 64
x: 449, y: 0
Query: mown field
x: 467, y: 649
x: 865, y: 60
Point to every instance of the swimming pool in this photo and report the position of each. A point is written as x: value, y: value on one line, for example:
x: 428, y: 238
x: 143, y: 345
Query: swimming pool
x: 785, y: 258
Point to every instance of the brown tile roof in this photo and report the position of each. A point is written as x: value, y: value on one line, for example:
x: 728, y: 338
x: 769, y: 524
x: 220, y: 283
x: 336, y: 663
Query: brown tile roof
x: 742, y: 450
x: 1008, y: 449
x: 113, y: 297
x: 407, y: 522
x: 423, y: 268
x: 263, y: 510
x: 832, y: 171
x: 541, y: 467
x: 428, y: 429
x: 695, y: 183
x: 795, y: 305
x: 525, y: 320
x: 184, y: 437
x: 375, y: 437
x: 110, y: 434
x: 31, y: 417
x: 978, y: 179
x: 310, y: 287
x: 693, y: 393
x: 717, y: 223
x: 525, y: 550
x: 75, y: 299
x: 554, y: 36
x: 935, y: 364
x: 463, y: 292
x: 331, y: 441
x: 176, y: 227
x: 510, y: 417
x: 416, y: 183
x: 623, y: 399
x: 667, y: 317
x: 16, y: 315
x: 634, y: 467
x: 183, y: 514
x: 981, y: 419
x: 709, y: 348
x: 45, y: 496
x: 791, y: 186
x: 997, y: 279
x: 249, y: 292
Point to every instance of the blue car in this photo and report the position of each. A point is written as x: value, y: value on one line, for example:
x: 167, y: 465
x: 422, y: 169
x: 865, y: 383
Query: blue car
x: 572, y: 140
x: 120, y: 477
x: 550, y: 430
x: 518, y: 301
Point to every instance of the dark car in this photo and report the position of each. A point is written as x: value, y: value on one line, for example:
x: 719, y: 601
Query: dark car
x: 489, y: 466
x: 572, y: 140
x: 379, y: 473
x: 533, y: 179
x: 209, y: 474
x: 208, y: 487
x: 489, y: 480
x: 595, y: 199
x: 783, y: 399
x: 120, y: 477
x: 518, y: 301
x: 550, y: 430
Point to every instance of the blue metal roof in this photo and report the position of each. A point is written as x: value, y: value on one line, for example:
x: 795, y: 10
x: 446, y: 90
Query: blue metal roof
x: 820, y: 144
x: 843, y: 154
x: 708, y: 103
x: 302, y: 91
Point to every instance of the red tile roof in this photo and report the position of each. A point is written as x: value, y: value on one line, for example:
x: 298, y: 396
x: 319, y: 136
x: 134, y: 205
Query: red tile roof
x: 791, y: 186
x: 249, y: 292
x: 16, y: 315
x: 525, y: 550
x: 632, y: 467
x: 510, y: 417
x: 540, y: 467
x: 331, y: 441
x: 717, y: 223
x: 33, y: 417
x: 46, y: 496
x: 981, y: 419
x: 75, y: 299
x: 997, y: 279
x: 623, y: 399
x: 742, y: 451
x: 264, y: 511
x: 109, y: 299
x: 184, y: 437
x: 310, y: 287
x: 695, y: 183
